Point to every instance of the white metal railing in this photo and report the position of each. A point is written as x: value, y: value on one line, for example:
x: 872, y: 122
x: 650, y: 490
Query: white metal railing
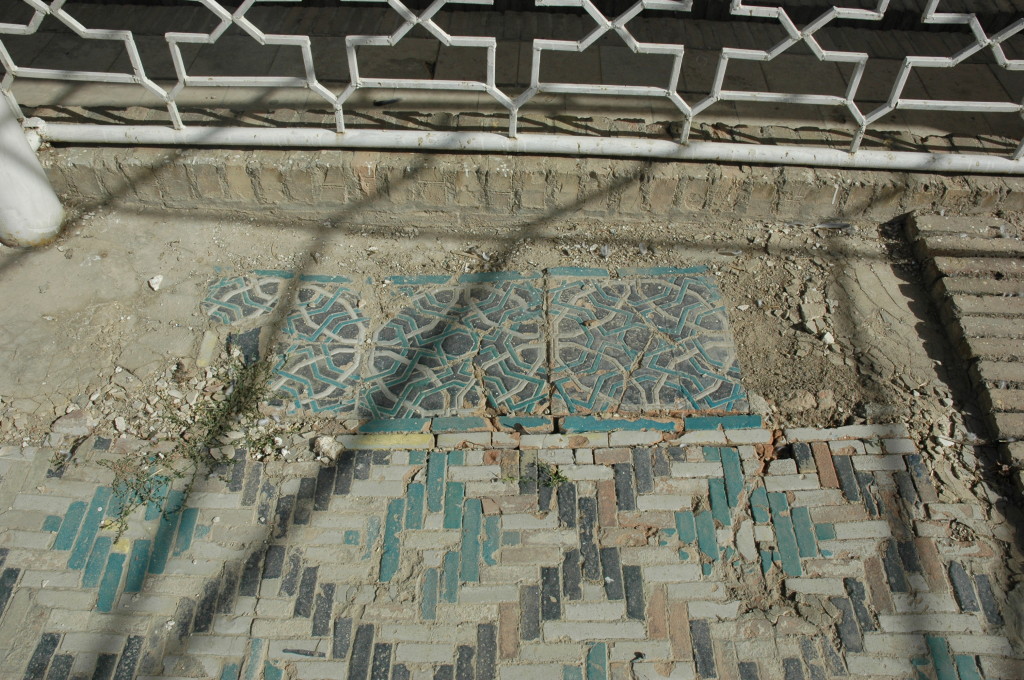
x: 515, y: 101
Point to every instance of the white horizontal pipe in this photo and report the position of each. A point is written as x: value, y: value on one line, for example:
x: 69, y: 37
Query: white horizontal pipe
x: 536, y: 144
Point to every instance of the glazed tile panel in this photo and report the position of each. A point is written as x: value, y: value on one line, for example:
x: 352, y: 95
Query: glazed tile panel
x: 570, y: 341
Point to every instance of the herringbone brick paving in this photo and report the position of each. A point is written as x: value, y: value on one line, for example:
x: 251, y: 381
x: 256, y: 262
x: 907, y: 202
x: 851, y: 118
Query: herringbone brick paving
x: 648, y: 553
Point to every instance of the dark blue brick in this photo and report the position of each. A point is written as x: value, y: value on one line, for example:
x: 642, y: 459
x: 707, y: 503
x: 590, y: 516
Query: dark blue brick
x: 206, y: 608
x: 550, y: 594
x: 381, y: 668
x: 361, y: 468
x: 624, y: 495
x: 324, y: 488
x: 400, y: 672
x: 251, y: 486
x: 847, y: 479
x: 445, y: 672
x: 643, y: 471
x: 804, y: 458
x: 60, y: 667
x: 659, y: 463
x: 528, y: 473
x: 293, y: 570
x: 274, y: 561
x: 989, y: 605
x: 232, y: 574
x: 703, y: 650
x: 341, y: 637
x: 7, y: 581
x: 343, y: 479
x: 307, y: 588
x: 588, y: 548
x: 846, y: 625
x: 304, y: 500
x: 894, y: 568
x: 791, y: 669
x: 567, y: 505
x: 612, y: 570
x: 572, y: 576
x: 962, y: 588
x: 324, y: 610
x: 362, y: 653
x: 529, y: 612
x: 748, y: 670
x: 105, y: 665
x: 866, y: 482
x: 905, y: 485
x: 40, y: 659
x: 908, y: 556
x: 464, y: 663
x: 486, y: 651
x: 129, y: 659
x: 283, y: 515
x: 858, y: 598
x: 634, y: 587
x: 249, y: 585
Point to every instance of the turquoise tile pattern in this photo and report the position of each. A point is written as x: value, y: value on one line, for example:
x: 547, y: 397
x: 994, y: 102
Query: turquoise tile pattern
x: 566, y: 342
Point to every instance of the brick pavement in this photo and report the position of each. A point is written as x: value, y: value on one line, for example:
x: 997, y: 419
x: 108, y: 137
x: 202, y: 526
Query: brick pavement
x: 585, y: 549
x: 974, y: 268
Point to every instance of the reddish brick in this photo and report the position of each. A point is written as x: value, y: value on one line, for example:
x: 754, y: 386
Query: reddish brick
x: 878, y: 585
x: 492, y: 457
x: 931, y: 563
x: 606, y: 504
x: 679, y: 631
x: 657, y: 614
x: 508, y: 630
x: 612, y: 456
x: 823, y: 461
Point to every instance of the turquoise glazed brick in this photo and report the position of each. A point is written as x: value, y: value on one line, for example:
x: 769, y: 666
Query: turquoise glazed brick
x: 418, y: 280
x: 726, y: 422
x: 186, y: 529
x: 457, y: 457
x: 372, y: 533
x: 51, y: 523
x: 661, y: 271
x: 707, y: 540
x: 390, y: 553
x: 597, y: 662
x: 111, y: 580
x: 492, y: 537
x: 90, y: 527
x: 137, y: 564
x: 155, y: 506
x: 825, y: 532
x: 437, y: 464
x: 967, y: 667
x: 165, y: 532
x: 803, y: 527
x: 351, y: 537
x: 939, y: 652
x: 570, y: 424
x: 450, y: 577
x: 271, y: 672
x: 415, y: 496
x: 719, y: 502
x: 733, y: 469
x: 69, y: 526
x: 453, y: 496
x: 784, y: 534
x: 389, y: 425
x: 712, y: 454
x: 528, y: 422
x: 230, y: 672
x: 577, y: 271
x: 491, y: 277
x: 572, y: 673
x: 97, y: 560
x: 472, y: 523
x: 759, y: 505
x: 428, y: 601
x: 459, y: 424
x: 685, y: 527
x: 417, y: 457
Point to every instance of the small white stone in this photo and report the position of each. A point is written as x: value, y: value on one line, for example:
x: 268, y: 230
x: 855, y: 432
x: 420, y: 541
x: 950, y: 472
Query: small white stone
x: 155, y: 282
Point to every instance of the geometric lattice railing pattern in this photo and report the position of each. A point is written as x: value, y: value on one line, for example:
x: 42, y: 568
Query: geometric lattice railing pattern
x: 836, y: 41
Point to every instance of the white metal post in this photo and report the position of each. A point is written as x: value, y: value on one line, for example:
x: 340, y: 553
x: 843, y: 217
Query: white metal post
x: 30, y: 212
